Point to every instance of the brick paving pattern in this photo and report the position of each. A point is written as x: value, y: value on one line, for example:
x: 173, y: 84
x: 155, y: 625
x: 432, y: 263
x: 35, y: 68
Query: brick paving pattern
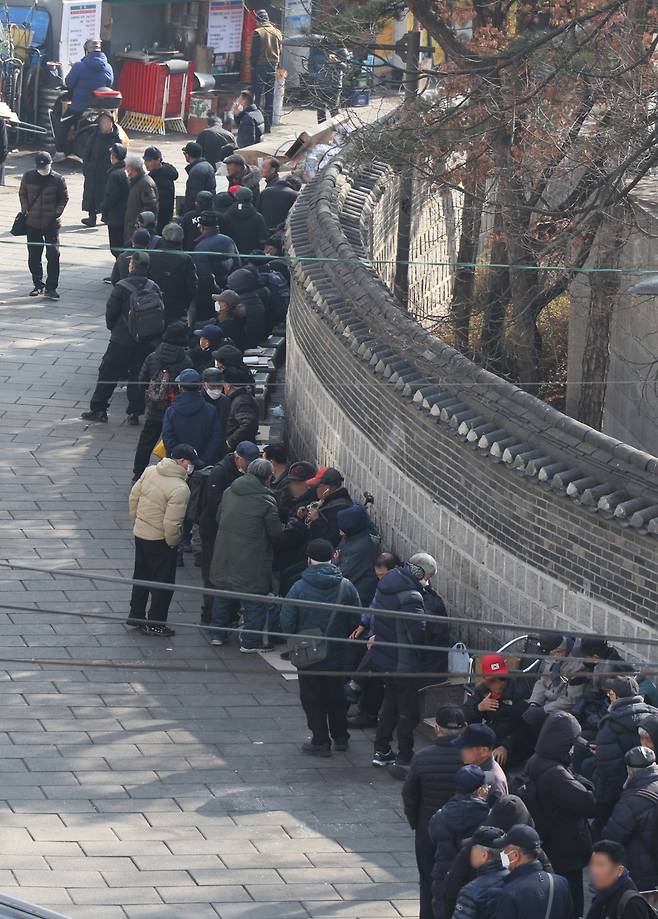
x: 139, y: 794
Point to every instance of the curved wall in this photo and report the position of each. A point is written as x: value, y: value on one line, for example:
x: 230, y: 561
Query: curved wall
x: 533, y: 517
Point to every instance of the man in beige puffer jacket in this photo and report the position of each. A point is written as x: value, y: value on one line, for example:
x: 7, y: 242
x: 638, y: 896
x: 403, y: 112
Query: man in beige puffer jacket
x: 157, y: 505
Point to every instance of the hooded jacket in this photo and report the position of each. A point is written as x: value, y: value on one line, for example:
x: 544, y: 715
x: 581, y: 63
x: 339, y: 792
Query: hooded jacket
x: 251, y: 126
x: 158, y: 501
x: 617, y: 734
x: 215, y: 257
x: 565, y: 804
x: 245, y: 226
x: 175, y: 274
x: 250, y: 177
x: 190, y: 420
x: 43, y: 198
x: 92, y: 72
x: 399, y: 591
x: 95, y: 166
x: 474, y: 899
x: 242, y: 421
x: 165, y: 177
x: 634, y: 824
x: 524, y: 894
x: 142, y: 196
x: 254, y: 298
x: 200, y: 177
x: 276, y: 202
x: 450, y: 826
x: 357, y: 551
x: 167, y: 356
x: 430, y: 782
x: 115, y: 196
x: 248, y: 524
x: 321, y: 582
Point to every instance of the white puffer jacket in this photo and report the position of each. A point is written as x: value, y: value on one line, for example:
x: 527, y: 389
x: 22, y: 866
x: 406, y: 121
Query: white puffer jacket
x: 158, y: 501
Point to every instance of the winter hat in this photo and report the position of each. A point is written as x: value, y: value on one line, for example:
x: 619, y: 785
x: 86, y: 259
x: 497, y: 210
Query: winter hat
x: 228, y: 355
x: 188, y: 377
x: 486, y: 836
x: 147, y: 218
x: 640, y: 758
x: 469, y: 778
x: 224, y: 200
x: 623, y: 686
x: 425, y: 562
x: 244, y: 195
x: 204, y: 200
x: 176, y: 333
x: 229, y: 297
x: 476, y: 735
x: 43, y: 158
x: 212, y: 376
x: 301, y: 471
x: 211, y: 331
x: 550, y: 642
x: 234, y: 376
x: 509, y: 811
x: 153, y: 153
x: 141, y: 238
x: 208, y: 219
x: 353, y: 520
x: 119, y: 150
x: 649, y: 726
x: 193, y: 149
x: 320, y: 550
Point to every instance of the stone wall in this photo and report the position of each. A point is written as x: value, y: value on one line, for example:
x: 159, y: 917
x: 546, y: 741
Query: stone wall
x: 534, y: 518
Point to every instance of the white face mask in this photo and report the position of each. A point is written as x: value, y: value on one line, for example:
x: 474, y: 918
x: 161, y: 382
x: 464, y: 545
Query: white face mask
x: 214, y: 393
x: 504, y: 859
x: 44, y: 170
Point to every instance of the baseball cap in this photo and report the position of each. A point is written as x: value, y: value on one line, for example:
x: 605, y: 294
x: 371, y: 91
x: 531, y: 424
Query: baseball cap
x: 43, y: 158
x: 246, y: 450
x: 185, y: 451
x: 193, y: 149
x: 301, y: 471
x: 450, y: 716
x: 244, y: 195
x: 476, y: 735
x: 208, y: 219
x: 549, y: 642
x: 327, y: 475
x: 640, y: 757
x: 469, y: 778
x: 188, y: 376
x: 520, y: 836
x: 211, y: 331
x: 319, y: 550
x: 623, y: 686
x: 486, y: 836
x: 229, y: 297
x: 152, y: 153
x: 236, y: 158
x: 494, y: 665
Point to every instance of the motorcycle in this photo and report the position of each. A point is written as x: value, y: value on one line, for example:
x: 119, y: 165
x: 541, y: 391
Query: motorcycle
x: 72, y: 130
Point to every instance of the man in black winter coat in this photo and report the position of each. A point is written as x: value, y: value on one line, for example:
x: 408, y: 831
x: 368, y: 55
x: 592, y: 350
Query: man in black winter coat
x: 634, y: 821
x: 164, y: 175
x: 617, y: 734
x: 617, y: 896
x: 200, y: 175
x: 429, y: 784
x: 190, y: 222
x: 95, y: 165
x: 157, y: 376
x: 255, y: 298
x: 250, y: 121
x: 322, y: 521
x: 115, y: 198
x: 357, y: 551
x: 242, y: 421
x: 276, y: 202
x: 244, y: 224
x: 125, y: 355
x: 174, y: 272
x: 215, y: 257
x: 213, y: 139
x: 500, y: 702
x: 230, y: 468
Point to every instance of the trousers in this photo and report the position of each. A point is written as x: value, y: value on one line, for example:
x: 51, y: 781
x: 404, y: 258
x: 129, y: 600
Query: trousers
x: 148, y: 438
x: 121, y: 362
x: 400, y: 714
x: 253, y: 618
x: 575, y: 880
x: 115, y: 236
x: 154, y: 561
x: 425, y: 862
x: 36, y: 240
x: 264, y: 79
x: 325, y: 706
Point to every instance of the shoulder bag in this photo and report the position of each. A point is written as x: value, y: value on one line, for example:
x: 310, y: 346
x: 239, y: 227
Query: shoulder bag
x: 19, y: 226
x: 313, y: 647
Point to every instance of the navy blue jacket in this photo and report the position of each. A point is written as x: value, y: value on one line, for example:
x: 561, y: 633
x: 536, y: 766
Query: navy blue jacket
x: 525, y: 891
x: 475, y: 899
x: 92, y: 72
x: 398, y: 591
x: 617, y: 734
x: 190, y: 420
x: 357, y: 553
x: 321, y: 583
x: 634, y: 824
x: 200, y: 177
x: 458, y: 819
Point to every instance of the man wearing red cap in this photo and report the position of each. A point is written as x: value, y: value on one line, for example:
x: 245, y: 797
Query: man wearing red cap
x: 500, y: 702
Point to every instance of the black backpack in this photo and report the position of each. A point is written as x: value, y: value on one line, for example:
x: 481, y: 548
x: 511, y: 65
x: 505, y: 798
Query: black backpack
x: 626, y: 898
x: 146, y: 319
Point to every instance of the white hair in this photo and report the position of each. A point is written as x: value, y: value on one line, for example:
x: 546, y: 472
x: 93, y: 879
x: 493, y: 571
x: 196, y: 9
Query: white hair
x: 133, y: 161
x: 173, y: 233
x: 261, y: 469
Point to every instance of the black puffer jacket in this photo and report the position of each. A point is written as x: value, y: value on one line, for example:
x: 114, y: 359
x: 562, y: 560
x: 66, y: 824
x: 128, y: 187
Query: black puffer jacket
x: 245, y: 226
x: 242, y: 419
x: 175, y: 274
x: 165, y: 177
x: 223, y: 475
x: 276, y: 202
x: 118, y: 308
x: 617, y: 734
x: 430, y: 782
x: 200, y: 177
x: 95, y: 167
x: 255, y: 298
x: 167, y: 356
x: 634, y: 824
x: 565, y: 804
x: 115, y: 199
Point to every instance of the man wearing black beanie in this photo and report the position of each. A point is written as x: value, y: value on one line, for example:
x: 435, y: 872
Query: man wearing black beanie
x: 322, y: 697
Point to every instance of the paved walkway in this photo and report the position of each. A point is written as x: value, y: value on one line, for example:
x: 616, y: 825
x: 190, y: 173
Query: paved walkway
x: 133, y: 793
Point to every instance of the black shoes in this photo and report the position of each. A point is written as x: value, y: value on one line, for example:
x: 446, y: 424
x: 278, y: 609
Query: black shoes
x: 38, y: 290
x: 88, y: 221
x: 95, y: 416
x: 163, y: 630
x: 341, y: 744
x: 51, y: 294
x: 133, y: 420
x: 312, y: 749
x: 362, y: 720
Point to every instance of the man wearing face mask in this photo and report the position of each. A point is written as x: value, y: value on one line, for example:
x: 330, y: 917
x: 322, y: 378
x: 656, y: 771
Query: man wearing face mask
x: 43, y: 196
x: 157, y: 505
x: 528, y: 890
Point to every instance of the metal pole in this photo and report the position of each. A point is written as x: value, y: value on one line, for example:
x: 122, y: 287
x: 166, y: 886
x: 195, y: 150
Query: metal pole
x: 411, y: 83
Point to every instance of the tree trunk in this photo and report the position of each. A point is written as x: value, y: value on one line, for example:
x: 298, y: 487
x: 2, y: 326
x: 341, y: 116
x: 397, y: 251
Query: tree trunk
x: 464, y: 287
x: 495, y: 300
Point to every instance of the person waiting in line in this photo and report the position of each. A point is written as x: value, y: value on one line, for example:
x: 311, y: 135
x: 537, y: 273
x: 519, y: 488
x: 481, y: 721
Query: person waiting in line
x: 322, y: 698
x: 232, y: 318
x: 189, y: 419
x: 529, y: 891
x: 142, y: 195
x: 477, y: 744
x: 476, y: 899
x: 190, y: 222
x: 164, y: 175
x: 115, y: 198
x: 215, y: 257
x: 321, y: 515
x: 200, y: 175
x: 174, y: 272
x: 243, y: 223
x: 209, y: 338
x: 96, y: 164
x: 242, y: 423
x: 249, y: 119
x: 213, y: 141
x: 255, y: 298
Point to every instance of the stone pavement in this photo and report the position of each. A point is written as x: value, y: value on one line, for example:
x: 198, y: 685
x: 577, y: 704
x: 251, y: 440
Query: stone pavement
x: 138, y: 794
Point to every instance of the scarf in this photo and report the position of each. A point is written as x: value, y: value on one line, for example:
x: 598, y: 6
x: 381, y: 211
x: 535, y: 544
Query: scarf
x: 602, y: 898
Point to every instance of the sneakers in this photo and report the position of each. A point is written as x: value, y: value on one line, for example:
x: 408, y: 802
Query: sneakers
x: 133, y: 420
x: 312, y: 749
x: 107, y: 280
x: 341, y: 744
x: 38, y: 290
x: 162, y: 630
x: 51, y: 294
x: 384, y: 759
x: 362, y: 720
x: 89, y: 221
x: 95, y: 416
x: 218, y: 642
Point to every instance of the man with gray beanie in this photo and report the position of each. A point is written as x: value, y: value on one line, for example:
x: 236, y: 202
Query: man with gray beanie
x: 322, y: 697
x: 248, y: 526
x: 174, y: 272
x: 401, y: 590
